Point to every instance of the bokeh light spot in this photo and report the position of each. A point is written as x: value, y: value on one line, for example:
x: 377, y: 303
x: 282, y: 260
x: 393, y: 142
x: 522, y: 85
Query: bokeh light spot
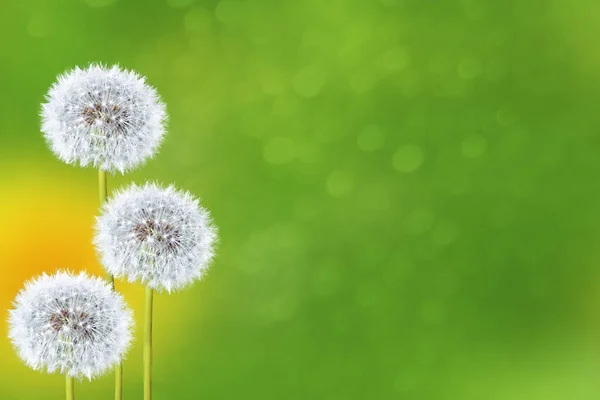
x: 506, y: 117
x: 494, y: 71
x: 309, y: 81
x: 280, y: 150
x: 426, y: 349
x: 285, y: 106
x: 198, y: 19
x: 474, y: 146
x: 279, y: 308
x: 470, y: 68
x: 327, y: 279
x: 308, y: 153
x: 370, y: 138
x: 229, y: 12
x: 339, y: 183
x: 307, y: 208
x: 444, y: 233
x: 100, y: 3
x: 447, y: 283
x: 180, y: 3
x: 432, y: 312
x: 363, y: 80
x: 474, y: 9
x: 329, y: 131
x: 375, y: 198
x: 39, y: 25
x: 394, y: 59
x: 420, y: 221
x: 368, y: 294
x: 398, y: 268
x: 272, y: 84
x: 408, y: 158
x: 391, y: 3
x: 407, y: 380
x: 502, y: 216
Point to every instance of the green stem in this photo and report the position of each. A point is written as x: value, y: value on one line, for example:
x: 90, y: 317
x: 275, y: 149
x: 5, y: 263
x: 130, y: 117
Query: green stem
x: 148, y: 345
x: 70, y: 388
x: 119, y: 382
x: 102, y: 195
x: 102, y: 187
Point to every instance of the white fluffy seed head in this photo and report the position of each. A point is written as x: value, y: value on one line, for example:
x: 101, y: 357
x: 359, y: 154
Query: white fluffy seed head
x: 106, y: 117
x: 159, y: 236
x: 74, y: 324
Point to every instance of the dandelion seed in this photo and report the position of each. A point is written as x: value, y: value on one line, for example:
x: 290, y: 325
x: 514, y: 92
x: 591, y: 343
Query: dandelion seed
x: 159, y: 236
x: 106, y: 117
x: 84, y: 333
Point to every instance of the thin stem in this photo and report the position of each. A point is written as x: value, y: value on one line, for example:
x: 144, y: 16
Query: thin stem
x: 148, y: 345
x: 102, y: 195
x: 70, y: 388
x: 102, y: 187
x: 119, y: 381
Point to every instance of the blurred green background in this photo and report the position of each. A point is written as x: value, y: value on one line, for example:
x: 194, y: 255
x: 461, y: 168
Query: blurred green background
x: 406, y: 191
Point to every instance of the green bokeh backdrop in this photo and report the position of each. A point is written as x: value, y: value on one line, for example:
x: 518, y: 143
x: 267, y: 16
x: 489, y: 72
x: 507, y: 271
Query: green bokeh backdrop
x: 406, y: 190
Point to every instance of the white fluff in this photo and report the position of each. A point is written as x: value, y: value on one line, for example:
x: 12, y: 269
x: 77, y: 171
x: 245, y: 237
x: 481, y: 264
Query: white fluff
x: 106, y: 117
x: 159, y: 236
x: 74, y: 324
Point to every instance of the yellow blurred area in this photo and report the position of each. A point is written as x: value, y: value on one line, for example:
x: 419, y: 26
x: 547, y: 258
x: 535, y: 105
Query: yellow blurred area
x: 45, y: 226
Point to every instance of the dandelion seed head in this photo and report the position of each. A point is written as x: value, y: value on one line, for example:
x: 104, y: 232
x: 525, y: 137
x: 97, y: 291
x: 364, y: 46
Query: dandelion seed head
x: 159, y: 236
x: 72, y: 324
x: 106, y: 117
